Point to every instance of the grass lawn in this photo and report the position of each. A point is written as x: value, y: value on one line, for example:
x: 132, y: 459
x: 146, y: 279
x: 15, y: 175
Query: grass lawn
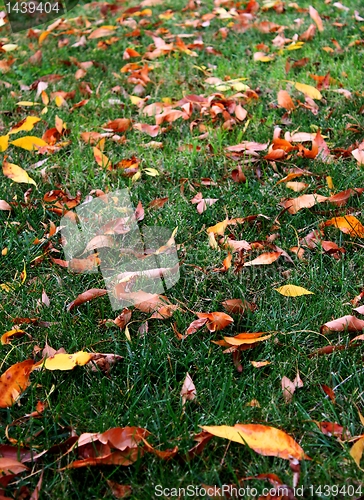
x: 210, y: 42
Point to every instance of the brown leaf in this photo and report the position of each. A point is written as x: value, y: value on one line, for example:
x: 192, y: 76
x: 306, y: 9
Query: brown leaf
x: 202, y: 439
x: 349, y: 323
x: 237, y: 306
x: 195, y: 325
x: 10, y: 466
x: 216, y: 320
x: 329, y: 392
x: 293, y: 205
x: 158, y: 202
x: 14, y: 381
x: 119, y: 490
x: 91, y: 294
x: 333, y: 429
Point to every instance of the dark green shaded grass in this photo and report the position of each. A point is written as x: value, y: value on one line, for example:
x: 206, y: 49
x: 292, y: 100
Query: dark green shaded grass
x: 144, y: 388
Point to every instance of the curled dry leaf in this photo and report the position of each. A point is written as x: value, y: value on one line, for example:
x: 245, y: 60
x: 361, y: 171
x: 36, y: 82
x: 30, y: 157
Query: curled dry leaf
x: 188, y: 391
x: 91, y: 294
x: 202, y: 203
x: 237, y: 306
x: 246, y: 338
x: 195, y: 325
x: 263, y: 439
x: 264, y: 259
x: 289, y: 386
x: 216, y: 320
x: 333, y: 429
x: 349, y: 323
x: 7, y: 337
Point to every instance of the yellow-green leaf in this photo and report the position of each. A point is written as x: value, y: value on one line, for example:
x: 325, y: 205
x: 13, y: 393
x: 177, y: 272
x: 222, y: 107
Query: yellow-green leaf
x: 16, y: 173
x: 29, y: 142
x: 151, y: 171
x: 293, y: 291
x: 4, y: 142
x: 65, y: 361
x: 26, y: 124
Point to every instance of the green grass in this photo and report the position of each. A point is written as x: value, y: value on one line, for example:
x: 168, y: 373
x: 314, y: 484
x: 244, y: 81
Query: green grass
x: 144, y: 388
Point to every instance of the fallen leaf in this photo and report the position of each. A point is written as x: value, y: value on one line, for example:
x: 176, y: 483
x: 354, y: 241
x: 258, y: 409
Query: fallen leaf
x: 4, y: 143
x: 315, y: 16
x: 216, y: 320
x: 297, y: 186
x: 10, y: 466
x: 64, y: 361
x: 188, y: 391
x: 293, y: 291
x: 285, y: 100
x: 14, y: 381
x: 86, y: 296
x: 7, y: 337
x: 349, y: 323
x: 264, y: 259
x: 119, y: 490
x: 196, y: 325
x: 308, y: 90
x: 263, y: 439
x: 29, y: 142
x: 4, y: 205
x: 16, y: 173
x: 247, y: 338
x: 293, y: 205
x: 348, y: 224
x: 333, y: 429
x: 26, y: 124
x: 289, y: 387
x: 356, y: 451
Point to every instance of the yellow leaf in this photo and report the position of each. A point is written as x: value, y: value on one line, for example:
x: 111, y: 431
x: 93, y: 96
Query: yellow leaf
x: 65, y: 361
x: 218, y: 228
x: 27, y: 103
x: 8, y: 47
x: 308, y: 90
x: 295, y: 46
x: 135, y: 99
x: 101, y: 159
x: 29, y: 142
x: 329, y: 181
x: 240, y: 87
x: 127, y: 333
x: 357, y: 451
x: 293, y: 291
x: 262, y: 439
x: 16, y: 173
x: 27, y: 124
x: 136, y: 176
x: 151, y: 171
x: 60, y: 101
x: 4, y: 142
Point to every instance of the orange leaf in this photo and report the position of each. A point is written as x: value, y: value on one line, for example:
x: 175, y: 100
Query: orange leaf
x: 263, y: 439
x: 101, y: 159
x: 216, y: 320
x: 348, y: 224
x: 305, y: 201
x: 315, y: 16
x: 9, y: 466
x: 14, y: 381
x: 265, y: 258
x: 285, y: 100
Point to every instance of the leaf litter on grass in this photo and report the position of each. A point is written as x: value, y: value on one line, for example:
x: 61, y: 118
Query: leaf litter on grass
x: 219, y: 102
